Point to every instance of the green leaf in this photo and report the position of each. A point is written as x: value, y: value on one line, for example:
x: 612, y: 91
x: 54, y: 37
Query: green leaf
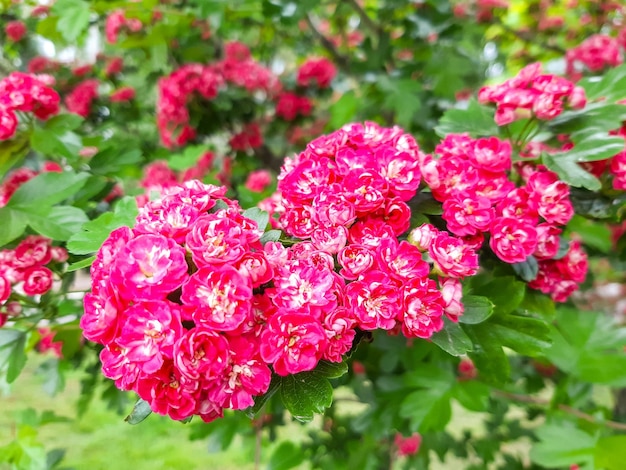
x: 476, y: 309
x: 287, y: 455
x: 472, y: 395
x: 331, y: 370
x: 12, y: 355
x: 56, y: 143
x: 488, y: 357
x: 611, y: 87
x: 562, y: 446
x: 506, y: 293
x: 12, y: 152
x: 595, y: 234
x: 477, y: 120
x: 187, y: 159
x: 93, y: 233
x: 570, y: 171
x: 305, y: 394
x: 112, y: 160
x: 261, y: 218
x: 141, y: 411
x: 537, y: 304
x: 64, y: 122
x: 12, y: 226
x: 528, y: 269
x: 261, y: 400
x: 343, y: 110
x: 610, y: 452
x: 84, y: 263
x: 58, y: 223
x: 592, y: 145
x: 271, y: 236
x: 452, y: 339
x: 73, y: 18
x: 589, y: 346
x: 528, y: 336
x: 427, y: 409
x: 47, y: 189
x: 402, y: 96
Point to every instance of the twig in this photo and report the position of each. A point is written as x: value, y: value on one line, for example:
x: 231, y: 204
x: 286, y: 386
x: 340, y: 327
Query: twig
x: 567, y: 409
x: 365, y: 19
x: 530, y: 38
x: 341, y: 60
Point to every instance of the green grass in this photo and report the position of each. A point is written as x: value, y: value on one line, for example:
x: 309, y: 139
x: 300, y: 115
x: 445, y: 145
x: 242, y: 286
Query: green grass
x: 102, y: 440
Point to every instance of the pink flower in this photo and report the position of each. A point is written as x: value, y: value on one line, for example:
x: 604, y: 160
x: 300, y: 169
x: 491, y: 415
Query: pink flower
x: 423, y: 309
x: 423, y: 236
x: 548, y: 241
x: 46, y: 342
x: 32, y: 251
x: 292, y: 343
x: 15, y: 30
x: 492, y: 154
x: 354, y: 260
x: 258, y: 181
x: 467, y: 214
x: 149, y: 267
x: 512, y: 240
x: 5, y: 289
x: 100, y: 318
x: 37, y: 280
x: 452, y: 293
x: 79, y: 100
x: 8, y: 124
x: 375, y: 300
x: 123, y: 94
x: 453, y: 257
x: 290, y: 106
x: 200, y: 353
x: 221, y: 297
x: 148, y: 333
x: 320, y: 71
x: 407, y: 445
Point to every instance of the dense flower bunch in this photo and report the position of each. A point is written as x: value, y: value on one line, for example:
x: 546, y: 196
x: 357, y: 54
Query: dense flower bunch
x: 117, y: 22
x: 532, y: 93
x: 15, y: 30
x: 471, y: 179
x: 24, y: 268
x: 347, y: 194
x: 158, y: 176
x: 25, y: 93
x: 291, y: 105
x: 79, y: 100
x: 596, y: 52
x: 249, y: 138
x: 173, y: 302
x: 237, y: 68
x: 319, y: 72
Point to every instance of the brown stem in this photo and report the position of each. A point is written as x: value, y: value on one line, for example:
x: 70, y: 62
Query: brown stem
x: 531, y: 38
x: 365, y: 19
x: 341, y: 60
x: 567, y: 409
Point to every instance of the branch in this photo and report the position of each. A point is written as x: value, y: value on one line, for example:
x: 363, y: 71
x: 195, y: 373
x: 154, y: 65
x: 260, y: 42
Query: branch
x: 530, y: 38
x: 365, y: 19
x: 567, y: 409
x: 341, y: 60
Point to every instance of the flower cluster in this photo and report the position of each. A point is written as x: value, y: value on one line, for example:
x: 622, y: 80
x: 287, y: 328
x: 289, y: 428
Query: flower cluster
x: 123, y: 94
x: 176, y: 90
x: 290, y: 106
x: 173, y: 302
x: 15, y: 30
x: 249, y: 138
x: 23, y: 92
x: 561, y: 277
x: 347, y: 194
x: 158, y: 176
x: 471, y: 179
x: 23, y: 269
x: 117, y: 22
x: 316, y: 71
x: 596, y: 53
x: 79, y: 100
x: 532, y: 93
